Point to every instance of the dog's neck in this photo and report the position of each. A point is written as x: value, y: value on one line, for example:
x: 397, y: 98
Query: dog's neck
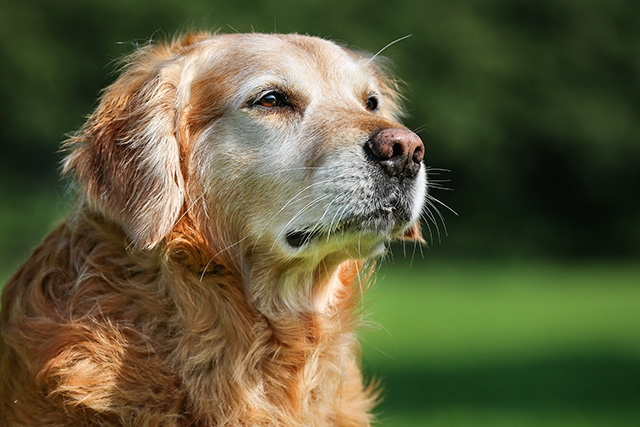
x: 274, y: 285
x: 296, y: 323
x: 288, y: 295
x: 299, y: 287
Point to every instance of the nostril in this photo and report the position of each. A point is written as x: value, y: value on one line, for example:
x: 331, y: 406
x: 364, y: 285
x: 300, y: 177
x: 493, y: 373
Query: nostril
x: 399, y: 150
x: 418, y: 153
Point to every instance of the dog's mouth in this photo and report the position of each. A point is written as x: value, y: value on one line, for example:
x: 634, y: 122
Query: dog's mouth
x: 385, y: 224
x: 298, y: 239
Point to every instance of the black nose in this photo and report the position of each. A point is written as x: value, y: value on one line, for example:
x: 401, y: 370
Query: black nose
x: 398, y: 151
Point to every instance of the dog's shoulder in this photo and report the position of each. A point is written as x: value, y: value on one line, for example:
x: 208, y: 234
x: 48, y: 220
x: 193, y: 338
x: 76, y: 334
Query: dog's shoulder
x: 78, y: 334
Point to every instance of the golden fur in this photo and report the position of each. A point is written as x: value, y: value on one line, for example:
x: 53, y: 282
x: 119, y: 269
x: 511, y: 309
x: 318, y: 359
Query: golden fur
x: 169, y: 296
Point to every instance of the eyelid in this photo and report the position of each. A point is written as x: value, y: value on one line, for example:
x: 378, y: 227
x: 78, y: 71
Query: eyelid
x: 270, y: 100
x: 282, y: 99
x: 375, y: 101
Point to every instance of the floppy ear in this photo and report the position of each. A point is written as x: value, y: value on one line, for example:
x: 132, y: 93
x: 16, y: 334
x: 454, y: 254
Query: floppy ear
x: 126, y: 157
x: 414, y: 233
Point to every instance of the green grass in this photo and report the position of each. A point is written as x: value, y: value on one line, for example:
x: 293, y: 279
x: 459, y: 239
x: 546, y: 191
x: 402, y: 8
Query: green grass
x: 515, y: 345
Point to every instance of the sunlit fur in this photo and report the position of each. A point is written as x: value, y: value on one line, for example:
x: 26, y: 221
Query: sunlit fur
x: 169, y: 296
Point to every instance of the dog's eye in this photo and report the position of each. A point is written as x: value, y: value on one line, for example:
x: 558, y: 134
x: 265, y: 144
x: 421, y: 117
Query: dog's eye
x: 272, y: 99
x: 372, y: 103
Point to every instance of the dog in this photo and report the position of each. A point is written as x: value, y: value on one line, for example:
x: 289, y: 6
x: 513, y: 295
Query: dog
x: 229, y: 189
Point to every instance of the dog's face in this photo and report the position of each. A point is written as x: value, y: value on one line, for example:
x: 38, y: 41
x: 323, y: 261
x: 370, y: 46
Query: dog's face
x: 289, y: 157
x: 290, y: 144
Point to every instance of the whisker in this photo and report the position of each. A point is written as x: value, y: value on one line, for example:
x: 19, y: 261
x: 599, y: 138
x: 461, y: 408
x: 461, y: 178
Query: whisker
x: 430, y: 217
x: 420, y: 128
x: 324, y: 214
x: 295, y: 198
x: 204, y: 270
x: 439, y: 170
x: 189, y: 208
x: 430, y: 197
x: 404, y: 248
x: 439, y: 214
x: 338, y: 215
x: 359, y: 276
x: 297, y: 215
x: 273, y: 172
x: 264, y: 227
x: 388, y: 45
x: 413, y: 253
x: 421, y: 251
x: 437, y: 184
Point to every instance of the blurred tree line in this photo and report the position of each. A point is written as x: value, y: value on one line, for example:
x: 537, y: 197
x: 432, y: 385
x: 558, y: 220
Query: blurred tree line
x: 533, y: 105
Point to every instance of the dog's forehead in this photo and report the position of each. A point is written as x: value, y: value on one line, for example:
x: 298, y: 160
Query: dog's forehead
x: 259, y: 58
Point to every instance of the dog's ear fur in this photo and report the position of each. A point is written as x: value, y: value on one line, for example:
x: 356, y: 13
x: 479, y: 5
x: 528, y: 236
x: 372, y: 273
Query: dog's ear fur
x: 127, y: 156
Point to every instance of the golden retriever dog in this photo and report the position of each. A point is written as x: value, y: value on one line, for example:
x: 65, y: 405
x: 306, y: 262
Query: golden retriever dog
x: 230, y: 188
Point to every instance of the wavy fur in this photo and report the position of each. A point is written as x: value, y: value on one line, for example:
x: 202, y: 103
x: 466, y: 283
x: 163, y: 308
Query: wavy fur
x: 164, y: 299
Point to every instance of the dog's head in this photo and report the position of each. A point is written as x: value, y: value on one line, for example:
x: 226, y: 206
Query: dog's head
x: 282, y: 143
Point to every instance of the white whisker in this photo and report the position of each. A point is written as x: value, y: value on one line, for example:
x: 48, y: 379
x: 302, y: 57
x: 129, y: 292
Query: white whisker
x: 204, y: 270
x: 297, y: 215
x: 388, y: 45
x: 431, y: 218
x: 338, y: 215
x: 190, y: 207
x: 284, y: 170
x: 294, y: 198
x: 430, y: 197
x: 420, y: 128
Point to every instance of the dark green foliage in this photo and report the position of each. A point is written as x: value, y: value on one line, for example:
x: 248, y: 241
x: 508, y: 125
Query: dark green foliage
x: 533, y: 105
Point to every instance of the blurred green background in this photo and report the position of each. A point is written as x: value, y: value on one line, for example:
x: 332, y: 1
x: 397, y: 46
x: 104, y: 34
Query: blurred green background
x: 526, y: 311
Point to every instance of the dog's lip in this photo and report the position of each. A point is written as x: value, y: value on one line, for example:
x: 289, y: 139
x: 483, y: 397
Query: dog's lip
x: 388, y: 216
x: 299, y: 238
